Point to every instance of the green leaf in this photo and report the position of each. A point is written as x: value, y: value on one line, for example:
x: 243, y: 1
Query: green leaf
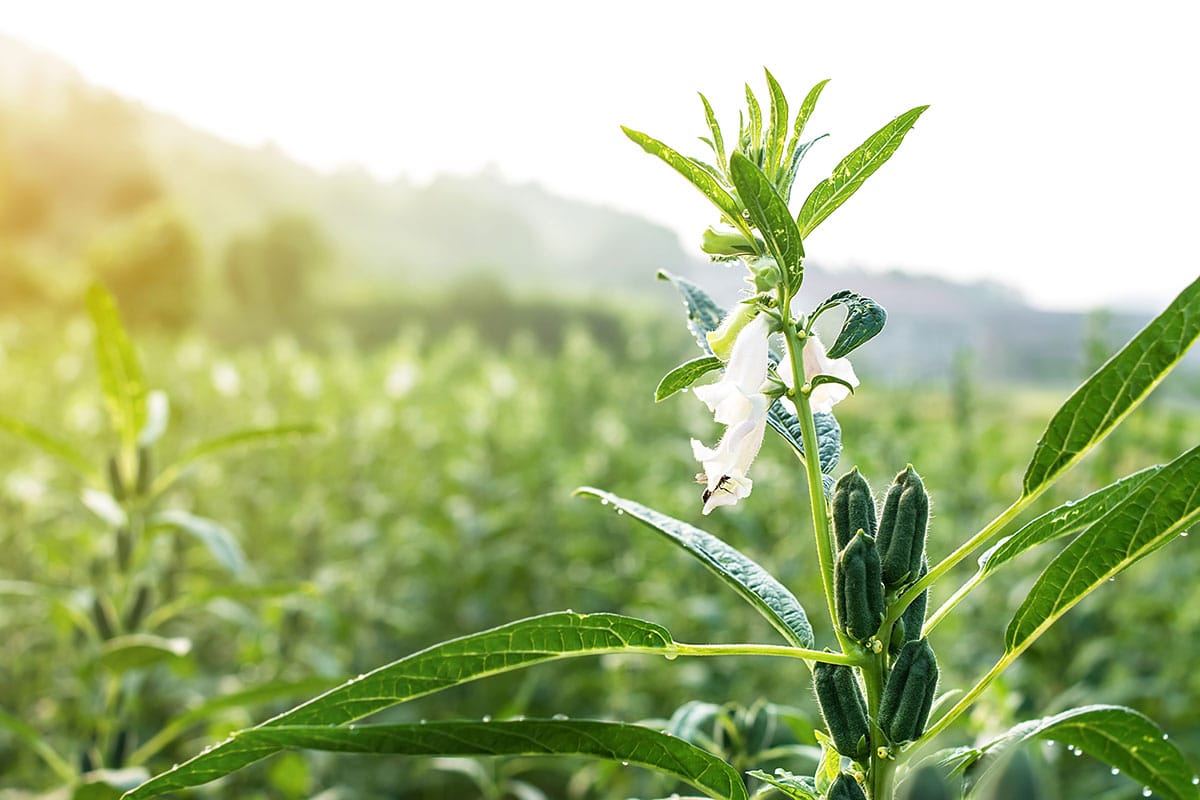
x: 718, y: 141
x: 704, y: 315
x: 1161, y: 507
x: 756, y: 586
x: 798, y: 787
x: 1120, y: 737
x: 51, y: 445
x: 802, y: 117
x: 246, y: 698
x: 612, y: 741
x: 754, y: 132
x: 140, y: 650
x: 853, y: 170
x: 685, y: 375
x: 118, y: 367
x: 1115, y: 389
x: 26, y: 733
x: 504, y: 649
x: 864, y: 320
x: 252, y: 437
x: 1069, y: 518
x: 696, y: 175
x: 770, y: 215
x: 776, y: 129
x: 215, y: 537
x: 104, y: 506
x: 829, y: 434
x: 158, y: 415
x: 788, y: 181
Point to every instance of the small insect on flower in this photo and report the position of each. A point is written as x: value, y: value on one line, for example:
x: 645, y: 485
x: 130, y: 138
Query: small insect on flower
x: 724, y: 484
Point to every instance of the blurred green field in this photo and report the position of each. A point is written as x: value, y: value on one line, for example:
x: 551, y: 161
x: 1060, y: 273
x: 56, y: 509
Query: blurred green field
x: 438, y: 502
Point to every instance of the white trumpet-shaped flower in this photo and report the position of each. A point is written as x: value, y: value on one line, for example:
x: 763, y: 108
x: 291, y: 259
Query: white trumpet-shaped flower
x: 817, y: 362
x: 737, y: 401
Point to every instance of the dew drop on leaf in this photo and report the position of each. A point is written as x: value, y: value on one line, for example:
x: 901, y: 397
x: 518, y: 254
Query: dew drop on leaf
x: 487, y: 718
x: 1115, y: 771
x: 1146, y: 791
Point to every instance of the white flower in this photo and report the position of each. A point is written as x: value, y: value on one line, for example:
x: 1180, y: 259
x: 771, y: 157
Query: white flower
x: 816, y: 362
x: 736, y: 401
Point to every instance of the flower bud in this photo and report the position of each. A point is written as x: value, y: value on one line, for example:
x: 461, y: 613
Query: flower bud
x: 721, y: 340
x: 725, y: 241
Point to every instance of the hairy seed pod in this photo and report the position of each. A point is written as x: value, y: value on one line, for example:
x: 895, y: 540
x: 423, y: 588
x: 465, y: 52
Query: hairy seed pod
x: 843, y: 708
x: 908, y: 695
x: 858, y: 592
x: 145, y: 470
x: 116, y: 484
x: 853, y: 508
x: 902, y: 529
x: 912, y: 620
x: 845, y: 787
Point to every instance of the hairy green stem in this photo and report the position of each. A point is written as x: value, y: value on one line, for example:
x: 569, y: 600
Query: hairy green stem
x: 969, y: 698
x: 786, y: 651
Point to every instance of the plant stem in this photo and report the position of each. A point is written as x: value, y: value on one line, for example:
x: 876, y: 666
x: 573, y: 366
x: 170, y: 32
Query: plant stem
x: 970, y: 697
x: 786, y: 651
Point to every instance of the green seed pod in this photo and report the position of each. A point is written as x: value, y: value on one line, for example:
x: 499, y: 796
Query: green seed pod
x: 843, y: 708
x: 853, y: 508
x: 145, y: 470
x: 857, y: 588
x: 908, y: 695
x: 902, y: 529
x: 116, y: 484
x: 845, y: 787
x: 910, y: 623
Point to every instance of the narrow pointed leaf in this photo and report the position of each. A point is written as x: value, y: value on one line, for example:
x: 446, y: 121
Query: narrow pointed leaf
x: 49, y: 444
x: 788, y: 181
x: 854, y: 169
x: 777, y: 128
x: 1160, y: 508
x: 754, y: 111
x: 770, y: 215
x: 802, y: 117
x: 718, y: 141
x: 704, y: 315
x: 252, y: 437
x: 685, y: 375
x: 1115, y: 389
x: 864, y: 320
x: 696, y: 175
x: 1065, y: 520
x: 757, y: 586
x: 503, y: 649
x: 797, y: 787
x: 1120, y: 737
x: 611, y: 741
x: 118, y: 367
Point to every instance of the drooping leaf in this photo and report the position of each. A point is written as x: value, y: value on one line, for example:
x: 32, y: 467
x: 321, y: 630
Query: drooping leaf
x: 509, y: 647
x: 1064, y: 520
x: 704, y: 315
x: 777, y: 128
x: 696, y: 175
x: 50, y: 444
x: 864, y: 320
x: 757, y: 586
x: 118, y: 367
x: 829, y: 434
x: 685, y: 375
x: 1158, y: 509
x: 1115, y: 389
x: 1123, y: 738
x: 612, y: 741
x: 770, y: 215
x: 798, y: 787
x: 252, y: 437
x: 718, y: 141
x: 853, y: 170
x: 141, y: 650
x: 216, y: 538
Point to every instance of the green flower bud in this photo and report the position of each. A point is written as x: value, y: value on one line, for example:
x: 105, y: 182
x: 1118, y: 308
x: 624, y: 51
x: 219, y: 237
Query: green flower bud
x: 724, y: 241
x: 766, y: 274
x: 721, y: 340
x: 908, y: 695
x: 902, y: 527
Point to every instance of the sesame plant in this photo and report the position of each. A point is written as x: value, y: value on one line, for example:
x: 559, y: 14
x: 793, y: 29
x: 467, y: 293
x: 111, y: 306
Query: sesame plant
x: 874, y: 670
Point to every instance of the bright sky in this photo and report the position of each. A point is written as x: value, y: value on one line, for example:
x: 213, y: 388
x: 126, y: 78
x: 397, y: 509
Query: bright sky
x: 1058, y: 156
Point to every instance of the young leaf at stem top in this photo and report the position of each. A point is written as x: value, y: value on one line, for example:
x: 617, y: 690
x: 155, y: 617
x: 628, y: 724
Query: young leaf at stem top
x: 853, y: 170
x: 770, y: 215
x: 864, y: 320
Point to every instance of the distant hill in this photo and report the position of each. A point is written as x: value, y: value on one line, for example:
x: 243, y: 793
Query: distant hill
x: 89, y: 157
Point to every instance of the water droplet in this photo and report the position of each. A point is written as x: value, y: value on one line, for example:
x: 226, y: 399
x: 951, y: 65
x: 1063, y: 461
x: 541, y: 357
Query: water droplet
x: 1115, y: 771
x: 1185, y: 533
x: 671, y: 656
x: 1077, y: 752
x: 560, y: 717
x: 1165, y: 737
x: 624, y: 763
x: 570, y: 611
x: 361, y: 676
x: 1050, y: 743
x: 1146, y: 791
x: 603, y: 501
x: 487, y: 718
x: 1196, y: 780
x: 422, y: 722
x: 620, y: 511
